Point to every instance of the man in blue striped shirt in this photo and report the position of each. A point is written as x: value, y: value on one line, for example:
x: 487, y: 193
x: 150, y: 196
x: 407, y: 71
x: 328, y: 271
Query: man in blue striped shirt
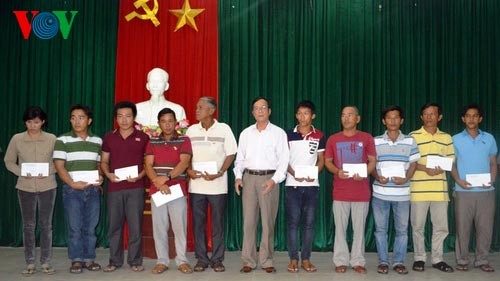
x: 397, y: 156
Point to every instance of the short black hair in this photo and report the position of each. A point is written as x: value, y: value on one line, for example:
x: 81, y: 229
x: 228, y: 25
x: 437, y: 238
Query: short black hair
x: 472, y: 106
x: 429, y: 104
x: 33, y: 112
x: 306, y: 104
x: 85, y: 109
x: 125, y: 104
x: 261, y: 98
x: 393, y: 108
x: 164, y: 111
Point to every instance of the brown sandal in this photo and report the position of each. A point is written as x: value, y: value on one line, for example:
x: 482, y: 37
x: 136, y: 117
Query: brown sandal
x: 308, y: 266
x: 401, y: 269
x: 159, y: 268
x: 486, y: 268
x: 293, y: 266
x: 383, y: 268
x: 341, y: 269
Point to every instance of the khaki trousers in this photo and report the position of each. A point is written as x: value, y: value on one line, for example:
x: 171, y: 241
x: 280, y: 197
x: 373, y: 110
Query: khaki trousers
x: 439, y: 219
x: 253, y: 204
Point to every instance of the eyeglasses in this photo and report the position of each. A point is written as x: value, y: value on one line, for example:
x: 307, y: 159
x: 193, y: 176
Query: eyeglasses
x: 259, y: 108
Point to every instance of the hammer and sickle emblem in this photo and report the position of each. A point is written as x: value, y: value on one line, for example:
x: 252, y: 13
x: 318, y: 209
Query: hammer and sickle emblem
x: 149, y: 14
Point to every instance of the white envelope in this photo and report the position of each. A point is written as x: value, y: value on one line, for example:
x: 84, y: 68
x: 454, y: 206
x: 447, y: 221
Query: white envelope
x: 34, y: 169
x: 478, y: 179
x: 210, y: 167
x: 434, y: 161
x: 360, y: 169
x: 91, y: 177
x: 161, y: 199
x: 393, y: 171
x: 125, y: 172
x: 304, y: 171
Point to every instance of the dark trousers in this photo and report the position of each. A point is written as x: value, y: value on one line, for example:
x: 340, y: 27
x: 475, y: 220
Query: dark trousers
x: 199, y: 205
x: 29, y: 203
x: 125, y: 205
x: 301, y: 202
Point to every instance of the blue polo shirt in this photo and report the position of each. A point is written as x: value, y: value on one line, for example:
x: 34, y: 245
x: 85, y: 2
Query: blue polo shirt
x: 473, y: 156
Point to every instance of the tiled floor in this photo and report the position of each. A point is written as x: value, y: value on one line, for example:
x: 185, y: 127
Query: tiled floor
x: 13, y: 262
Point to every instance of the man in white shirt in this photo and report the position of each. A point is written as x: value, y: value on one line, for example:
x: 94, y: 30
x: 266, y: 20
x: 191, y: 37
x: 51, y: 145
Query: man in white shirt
x: 213, y: 146
x: 261, y: 164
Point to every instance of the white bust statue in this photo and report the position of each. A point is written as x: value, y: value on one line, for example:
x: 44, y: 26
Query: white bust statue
x: 147, y: 111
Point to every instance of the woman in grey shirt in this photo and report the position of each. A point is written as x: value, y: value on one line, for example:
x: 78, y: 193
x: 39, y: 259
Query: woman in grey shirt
x: 36, y: 185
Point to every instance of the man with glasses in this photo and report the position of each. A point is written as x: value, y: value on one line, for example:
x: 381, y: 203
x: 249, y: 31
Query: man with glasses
x: 261, y: 164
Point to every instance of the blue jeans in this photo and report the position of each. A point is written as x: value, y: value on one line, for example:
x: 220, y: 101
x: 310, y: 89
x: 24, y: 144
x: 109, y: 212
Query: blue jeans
x: 301, y: 201
x: 381, y: 212
x: 81, y: 210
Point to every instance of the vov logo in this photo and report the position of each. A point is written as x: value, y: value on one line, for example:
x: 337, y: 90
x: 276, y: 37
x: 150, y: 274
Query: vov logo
x: 45, y: 25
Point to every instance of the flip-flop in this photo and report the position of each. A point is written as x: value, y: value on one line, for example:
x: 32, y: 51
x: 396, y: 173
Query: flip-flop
x: 486, y: 268
x: 444, y: 267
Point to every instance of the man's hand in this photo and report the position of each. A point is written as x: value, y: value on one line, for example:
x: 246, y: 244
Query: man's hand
x: 159, y: 180
x: 434, y: 171
x: 237, y: 184
x: 165, y: 189
x: 194, y: 174
x: 398, y: 180
x: 268, y: 186
x: 308, y: 179
x: 131, y: 179
x: 112, y: 177
x: 382, y: 180
x: 464, y: 184
x: 209, y: 177
x: 299, y: 179
x: 80, y: 185
x: 357, y: 177
x: 343, y: 174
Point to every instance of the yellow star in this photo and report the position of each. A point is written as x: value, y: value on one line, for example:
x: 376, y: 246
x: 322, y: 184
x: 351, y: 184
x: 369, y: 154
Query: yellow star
x: 186, y: 16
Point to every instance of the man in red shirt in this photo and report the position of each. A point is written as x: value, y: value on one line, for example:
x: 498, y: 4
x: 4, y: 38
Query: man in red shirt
x: 124, y: 147
x: 351, y: 192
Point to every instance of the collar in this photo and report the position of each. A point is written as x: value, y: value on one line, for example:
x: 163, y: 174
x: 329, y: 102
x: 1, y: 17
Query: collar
x: 176, y: 136
x: 295, y: 130
x: 89, y: 134
x: 26, y: 137
x: 117, y: 132
x: 424, y: 132
x: 466, y: 134
x: 269, y: 124
x: 200, y: 127
x: 400, y: 137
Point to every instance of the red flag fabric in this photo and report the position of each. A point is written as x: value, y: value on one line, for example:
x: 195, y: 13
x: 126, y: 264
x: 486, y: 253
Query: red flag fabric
x: 189, y: 56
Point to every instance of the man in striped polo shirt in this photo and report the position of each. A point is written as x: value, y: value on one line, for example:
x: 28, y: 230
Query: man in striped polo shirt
x: 429, y: 189
x: 212, y: 142
x: 75, y: 152
x: 397, y: 156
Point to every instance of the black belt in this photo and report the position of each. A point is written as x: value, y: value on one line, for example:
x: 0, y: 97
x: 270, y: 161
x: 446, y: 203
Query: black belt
x: 260, y: 172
